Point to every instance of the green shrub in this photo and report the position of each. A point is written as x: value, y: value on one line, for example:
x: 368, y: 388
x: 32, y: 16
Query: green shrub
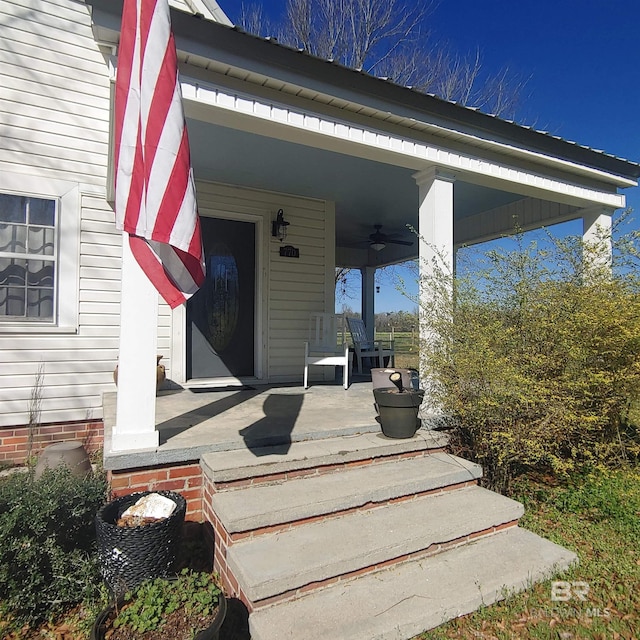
x: 195, y: 594
x: 536, y: 361
x: 47, y: 543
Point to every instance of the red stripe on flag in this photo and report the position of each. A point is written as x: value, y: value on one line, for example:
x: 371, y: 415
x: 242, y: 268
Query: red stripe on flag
x: 153, y: 269
x: 155, y: 192
x: 173, y: 196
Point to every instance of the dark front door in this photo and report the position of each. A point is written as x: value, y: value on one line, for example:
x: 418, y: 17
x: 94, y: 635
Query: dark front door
x: 220, y: 316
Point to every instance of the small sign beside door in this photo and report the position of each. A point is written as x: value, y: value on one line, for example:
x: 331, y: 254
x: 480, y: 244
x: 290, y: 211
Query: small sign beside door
x: 289, y: 252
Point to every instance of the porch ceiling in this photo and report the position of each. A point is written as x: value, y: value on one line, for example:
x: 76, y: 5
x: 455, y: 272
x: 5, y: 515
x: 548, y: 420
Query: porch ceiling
x: 365, y: 192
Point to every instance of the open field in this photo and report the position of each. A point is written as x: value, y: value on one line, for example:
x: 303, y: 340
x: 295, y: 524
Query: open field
x: 405, y: 345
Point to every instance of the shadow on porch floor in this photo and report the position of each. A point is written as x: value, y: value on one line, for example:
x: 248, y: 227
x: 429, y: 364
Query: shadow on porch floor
x: 196, y: 421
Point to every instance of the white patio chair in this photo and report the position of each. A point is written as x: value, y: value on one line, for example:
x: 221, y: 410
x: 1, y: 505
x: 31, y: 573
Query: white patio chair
x: 366, y: 348
x: 327, y: 345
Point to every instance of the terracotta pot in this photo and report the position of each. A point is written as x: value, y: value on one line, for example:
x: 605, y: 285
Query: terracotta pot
x: 72, y: 454
x: 161, y: 374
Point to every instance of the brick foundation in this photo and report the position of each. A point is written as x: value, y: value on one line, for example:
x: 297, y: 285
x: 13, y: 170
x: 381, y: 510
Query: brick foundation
x: 14, y: 441
x: 185, y: 479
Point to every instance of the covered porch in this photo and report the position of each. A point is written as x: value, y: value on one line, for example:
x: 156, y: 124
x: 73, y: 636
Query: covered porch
x: 340, y: 154
x: 196, y: 421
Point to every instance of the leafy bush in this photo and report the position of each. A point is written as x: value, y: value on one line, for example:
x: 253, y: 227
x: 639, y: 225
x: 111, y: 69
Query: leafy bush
x: 47, y: 540
x: 604, y: 496
x: 195, y: 594
x: 536, y: 361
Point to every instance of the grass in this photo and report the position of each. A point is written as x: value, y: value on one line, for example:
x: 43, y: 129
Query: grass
x: 597, y: 515
x: 405, y: 346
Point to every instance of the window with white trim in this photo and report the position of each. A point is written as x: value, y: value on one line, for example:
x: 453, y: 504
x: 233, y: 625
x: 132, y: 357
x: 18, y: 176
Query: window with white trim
x: 28, y: 257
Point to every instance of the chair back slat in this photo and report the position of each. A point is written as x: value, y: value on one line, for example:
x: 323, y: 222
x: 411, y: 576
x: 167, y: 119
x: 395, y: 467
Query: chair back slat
x: 359, y: 333
x: 326, y: 331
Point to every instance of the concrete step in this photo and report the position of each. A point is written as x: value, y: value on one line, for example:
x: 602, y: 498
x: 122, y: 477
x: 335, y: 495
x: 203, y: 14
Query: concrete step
x: 281, y: 563
x: 253, y: 507
x: 243, y: 464
x: 402, y: 601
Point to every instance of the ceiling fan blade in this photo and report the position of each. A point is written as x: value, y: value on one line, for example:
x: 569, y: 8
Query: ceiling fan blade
x: 405, y: 243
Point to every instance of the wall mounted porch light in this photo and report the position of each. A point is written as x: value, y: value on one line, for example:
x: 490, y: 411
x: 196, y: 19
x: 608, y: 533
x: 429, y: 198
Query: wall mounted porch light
x: 279, y: 226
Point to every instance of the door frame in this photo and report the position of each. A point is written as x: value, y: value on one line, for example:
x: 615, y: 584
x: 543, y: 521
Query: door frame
x: 179, y: 314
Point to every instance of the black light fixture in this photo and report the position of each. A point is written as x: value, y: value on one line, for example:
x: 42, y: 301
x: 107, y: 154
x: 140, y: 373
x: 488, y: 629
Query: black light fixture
x: 279, y: 226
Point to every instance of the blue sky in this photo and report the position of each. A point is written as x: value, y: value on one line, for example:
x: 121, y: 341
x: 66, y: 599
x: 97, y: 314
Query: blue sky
x: 582, y: 58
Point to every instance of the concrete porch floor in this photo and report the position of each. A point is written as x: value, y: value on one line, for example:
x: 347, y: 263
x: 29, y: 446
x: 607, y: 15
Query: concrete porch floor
x: 192, y: 422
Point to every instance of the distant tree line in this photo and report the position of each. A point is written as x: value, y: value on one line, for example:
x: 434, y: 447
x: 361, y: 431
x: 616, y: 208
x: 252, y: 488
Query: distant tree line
x: 398, y: 320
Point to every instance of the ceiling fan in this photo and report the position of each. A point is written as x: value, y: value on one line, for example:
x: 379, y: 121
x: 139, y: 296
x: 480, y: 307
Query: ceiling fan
x: 378, y: 240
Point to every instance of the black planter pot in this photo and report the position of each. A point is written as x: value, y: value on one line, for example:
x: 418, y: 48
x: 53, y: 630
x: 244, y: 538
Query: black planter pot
x: 398, y: 411
x: 212, y: 632
x: 130, y: 555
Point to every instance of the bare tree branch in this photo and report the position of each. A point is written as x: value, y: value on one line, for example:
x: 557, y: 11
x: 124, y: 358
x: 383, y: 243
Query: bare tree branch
x: 391, y: 38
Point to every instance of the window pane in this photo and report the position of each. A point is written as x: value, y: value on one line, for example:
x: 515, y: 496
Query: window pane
x: 27, y: 283
x: 41, y: 240
x: 40, y: 273
x: 13, y: 238
x: 40, y: 303
x: 42, y: 211
x: 12, y: 208
x: 12, y: 271
x: 11, y: 301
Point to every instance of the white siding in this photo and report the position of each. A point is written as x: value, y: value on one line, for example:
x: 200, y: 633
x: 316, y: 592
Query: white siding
x: 293, y: 287
x: 54, y: 115
x: 54, y: 129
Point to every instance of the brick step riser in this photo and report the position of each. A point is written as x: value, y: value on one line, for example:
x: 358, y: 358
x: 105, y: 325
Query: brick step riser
x: 366, y: 506
x: 232, y: 586
x: 312, y: 471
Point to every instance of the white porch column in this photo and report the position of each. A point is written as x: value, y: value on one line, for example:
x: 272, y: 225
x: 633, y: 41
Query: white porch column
x: 435, y: 218
x: 368, y: 299
x: 435, y: 227
x: 596, y: 232
x: 135, y: 426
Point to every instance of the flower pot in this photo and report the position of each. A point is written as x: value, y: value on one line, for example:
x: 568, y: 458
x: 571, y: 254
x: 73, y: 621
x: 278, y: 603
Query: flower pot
x: 380, y: 377
x: 69, y: 453
x: 130, y: 555
x: 212, y: 632
x: 398, y: 411
x: 161, y: 374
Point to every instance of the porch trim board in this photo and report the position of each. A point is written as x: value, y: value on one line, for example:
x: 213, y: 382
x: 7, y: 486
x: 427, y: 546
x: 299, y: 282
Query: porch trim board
x: 345, y: 137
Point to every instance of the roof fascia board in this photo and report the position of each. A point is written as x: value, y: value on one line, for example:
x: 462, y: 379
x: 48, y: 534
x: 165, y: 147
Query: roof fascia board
x: 235, y: 109
x: 257, y: 55
x: 206, y: 80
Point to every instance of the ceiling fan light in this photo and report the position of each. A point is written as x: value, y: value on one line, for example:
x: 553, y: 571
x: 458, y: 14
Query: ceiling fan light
x: 377, y: 246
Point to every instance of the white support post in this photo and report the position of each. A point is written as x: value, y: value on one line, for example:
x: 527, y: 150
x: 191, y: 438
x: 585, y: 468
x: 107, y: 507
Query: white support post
x: 435, y: 218
x: 135, y: 426
x: 596, y: 236
x: 435, y: 227
x: 368, y: 299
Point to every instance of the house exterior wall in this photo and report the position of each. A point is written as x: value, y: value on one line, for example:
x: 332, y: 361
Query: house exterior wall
x: 288, y: 289
x: 54, y: 110
x: 54, y: 113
